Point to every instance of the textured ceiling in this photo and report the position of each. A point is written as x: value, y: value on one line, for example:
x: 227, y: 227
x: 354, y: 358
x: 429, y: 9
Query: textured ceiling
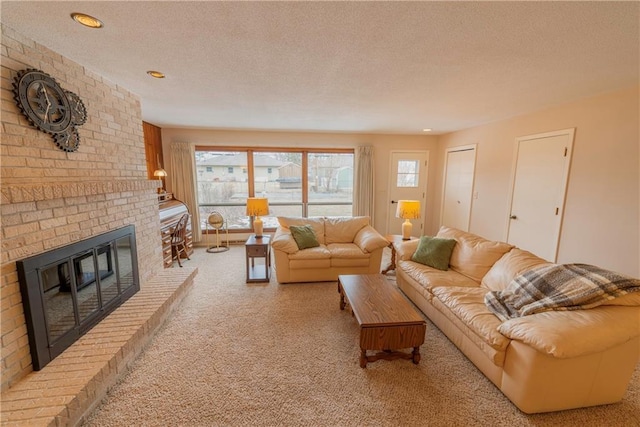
x: 379, y: 67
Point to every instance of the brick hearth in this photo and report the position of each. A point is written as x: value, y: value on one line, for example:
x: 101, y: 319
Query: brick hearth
x: 75, y: 382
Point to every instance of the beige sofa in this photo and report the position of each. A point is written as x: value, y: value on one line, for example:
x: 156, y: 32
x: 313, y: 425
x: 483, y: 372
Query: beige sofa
x: 542, y: 362
x: 348, y: 245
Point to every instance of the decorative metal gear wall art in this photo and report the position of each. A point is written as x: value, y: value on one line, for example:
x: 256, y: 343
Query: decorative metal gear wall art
x: 68, y: 140
x: 78, y: 111
x: 50, y: 108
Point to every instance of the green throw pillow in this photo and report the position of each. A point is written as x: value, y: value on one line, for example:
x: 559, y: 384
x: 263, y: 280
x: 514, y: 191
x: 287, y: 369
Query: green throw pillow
x: 304, y: 236
x: 434, y: 252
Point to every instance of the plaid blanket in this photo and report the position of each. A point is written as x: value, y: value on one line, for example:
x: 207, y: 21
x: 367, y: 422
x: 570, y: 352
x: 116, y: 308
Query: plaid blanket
x: 558, y: 287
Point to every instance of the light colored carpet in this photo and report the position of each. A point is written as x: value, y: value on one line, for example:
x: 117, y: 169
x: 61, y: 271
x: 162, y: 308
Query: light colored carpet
x: 237, y: 354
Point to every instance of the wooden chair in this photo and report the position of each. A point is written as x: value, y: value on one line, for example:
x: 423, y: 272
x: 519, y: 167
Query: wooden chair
x: 178, y: 238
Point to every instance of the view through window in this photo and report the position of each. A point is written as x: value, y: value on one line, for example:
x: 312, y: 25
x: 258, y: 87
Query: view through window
x: 297, y: 183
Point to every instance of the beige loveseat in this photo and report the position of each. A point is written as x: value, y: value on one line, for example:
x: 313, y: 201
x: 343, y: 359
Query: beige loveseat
x: 542, y: 362
x: 348, y: 245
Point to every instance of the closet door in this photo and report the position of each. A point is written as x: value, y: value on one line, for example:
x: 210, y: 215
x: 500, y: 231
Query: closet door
x: 460, y: 164
x: 539, y: 186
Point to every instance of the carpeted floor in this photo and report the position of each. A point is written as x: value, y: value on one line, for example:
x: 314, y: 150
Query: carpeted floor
x: 237, y: 354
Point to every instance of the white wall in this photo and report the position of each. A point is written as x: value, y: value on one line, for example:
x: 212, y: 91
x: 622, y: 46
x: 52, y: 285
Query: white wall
x: 602, y: 214
x: 383, y: 144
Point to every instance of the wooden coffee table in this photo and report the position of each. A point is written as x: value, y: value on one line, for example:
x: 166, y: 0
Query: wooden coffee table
x: 388, y: 322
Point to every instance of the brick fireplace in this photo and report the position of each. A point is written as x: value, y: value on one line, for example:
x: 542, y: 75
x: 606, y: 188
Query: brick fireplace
x: 51, y: 198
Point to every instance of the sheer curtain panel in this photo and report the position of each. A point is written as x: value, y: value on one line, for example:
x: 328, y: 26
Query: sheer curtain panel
x: 363, y: 185
x: 183, y: 182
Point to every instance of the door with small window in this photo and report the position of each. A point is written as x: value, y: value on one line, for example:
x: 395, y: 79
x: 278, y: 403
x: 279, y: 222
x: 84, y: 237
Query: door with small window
x: 408, y: 181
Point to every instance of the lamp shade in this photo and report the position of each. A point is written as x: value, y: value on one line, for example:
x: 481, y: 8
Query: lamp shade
x: 408, y: 209
x: 160, y: 172
x: 257, y: 206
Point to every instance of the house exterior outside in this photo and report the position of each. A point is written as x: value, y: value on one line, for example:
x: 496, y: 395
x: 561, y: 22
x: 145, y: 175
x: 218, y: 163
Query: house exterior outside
x: 233, y: 167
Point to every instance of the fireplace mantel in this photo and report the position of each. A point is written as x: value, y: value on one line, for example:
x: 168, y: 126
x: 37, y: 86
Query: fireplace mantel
x: 21, y: 193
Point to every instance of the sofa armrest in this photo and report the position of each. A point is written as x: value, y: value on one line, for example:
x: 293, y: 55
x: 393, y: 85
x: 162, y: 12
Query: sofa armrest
x: 405, y: 250
x: 369, y: 240
x: 284, y: 241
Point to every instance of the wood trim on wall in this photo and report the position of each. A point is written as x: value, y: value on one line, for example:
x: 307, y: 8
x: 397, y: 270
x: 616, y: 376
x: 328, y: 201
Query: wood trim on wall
x: 152, y: 148
x: 272, y: 149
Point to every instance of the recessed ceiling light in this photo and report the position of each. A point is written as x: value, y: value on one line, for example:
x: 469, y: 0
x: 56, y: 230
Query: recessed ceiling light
x: 86, y: 20
x: 427, y: 130
x: 156, y: 74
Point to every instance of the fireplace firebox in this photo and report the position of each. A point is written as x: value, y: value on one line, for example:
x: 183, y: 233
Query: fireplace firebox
x: 67, y: 291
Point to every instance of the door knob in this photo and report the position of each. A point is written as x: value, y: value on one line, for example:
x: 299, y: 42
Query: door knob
x: 513, y: 217
x: 393, y: 201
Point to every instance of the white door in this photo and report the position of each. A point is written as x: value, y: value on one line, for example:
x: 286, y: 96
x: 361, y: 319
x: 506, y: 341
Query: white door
x: 407, y: 181
x: 539, y: 187
x: 460, y: 164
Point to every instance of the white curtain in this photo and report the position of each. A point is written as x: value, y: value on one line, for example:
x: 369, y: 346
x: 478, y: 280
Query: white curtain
x: 183, y: 182
x: 363, y: 185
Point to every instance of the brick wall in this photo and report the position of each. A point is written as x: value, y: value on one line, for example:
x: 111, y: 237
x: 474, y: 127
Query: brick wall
x: 51, y: 198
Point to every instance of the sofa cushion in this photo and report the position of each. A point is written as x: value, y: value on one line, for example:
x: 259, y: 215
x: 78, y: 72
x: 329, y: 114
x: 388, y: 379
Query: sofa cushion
x: 630, y: 299
x: 343, y: 229
x: 316, y: 223
x: 319, y: 252
x: 346, y: 250
x: 434, y: 252
x: 310, y: 264
x: 347, y: 255
x: 318, y: 257
x: 304, y: 236
x: 430, y: 277
x: 575, y: 333
x: 405, y: 250
x: 473, y: 255
x: 465, y: 306
x: 509, y: 266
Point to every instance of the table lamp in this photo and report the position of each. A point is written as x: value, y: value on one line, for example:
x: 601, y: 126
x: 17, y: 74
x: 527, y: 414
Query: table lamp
x: 407, y: 209
x: 257, y: 206
x: 160, y: 173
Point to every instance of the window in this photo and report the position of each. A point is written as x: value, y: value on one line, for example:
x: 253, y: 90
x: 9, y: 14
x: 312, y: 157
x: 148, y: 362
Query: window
x: 408, y: 173
x: 224, y: 192
x: 209, y: 169
x: 330, y: 184
x: 284, y: 188
x: 297, y: 183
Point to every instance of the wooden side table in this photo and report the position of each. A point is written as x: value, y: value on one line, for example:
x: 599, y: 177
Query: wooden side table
x: 394, y: 239
x: 258, y: 247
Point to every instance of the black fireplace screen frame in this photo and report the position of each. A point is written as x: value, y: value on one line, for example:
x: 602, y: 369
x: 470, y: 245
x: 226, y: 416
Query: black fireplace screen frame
x: 67, y: 291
